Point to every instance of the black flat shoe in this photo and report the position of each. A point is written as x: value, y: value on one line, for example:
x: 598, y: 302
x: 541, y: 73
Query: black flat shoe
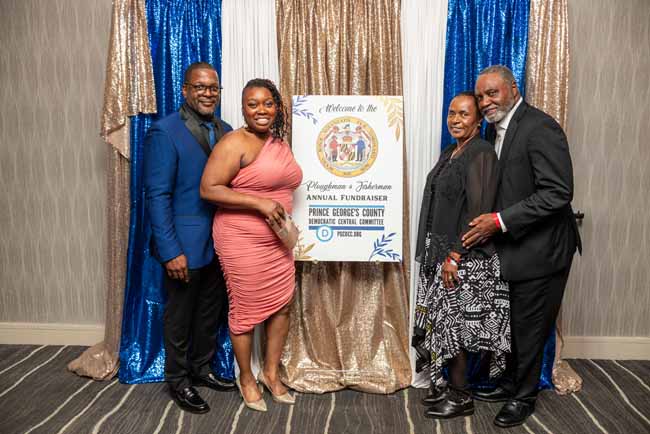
x: 513, y: 413
x: 437, y: 394
x: 494, y: 395
x: 189, y: 399
x: 213, y: 382
x: 456, y: 404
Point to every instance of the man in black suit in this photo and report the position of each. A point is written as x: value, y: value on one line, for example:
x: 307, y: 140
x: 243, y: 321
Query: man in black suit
x: 534, y: 230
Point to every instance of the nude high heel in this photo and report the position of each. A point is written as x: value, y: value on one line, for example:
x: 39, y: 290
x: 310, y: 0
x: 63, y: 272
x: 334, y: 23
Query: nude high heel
x: 259, y: 405
x: 285, y: 398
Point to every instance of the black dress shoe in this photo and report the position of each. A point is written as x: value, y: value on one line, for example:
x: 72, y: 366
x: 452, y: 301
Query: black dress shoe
x: 189, y: 400
x: 213, y: 382
x: 457, y: 403
x: 437, y: 394
x: 494, y: 395
x: 513, y: 413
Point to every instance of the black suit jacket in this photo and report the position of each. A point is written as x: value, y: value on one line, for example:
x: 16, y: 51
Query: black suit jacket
x: 535, y: 188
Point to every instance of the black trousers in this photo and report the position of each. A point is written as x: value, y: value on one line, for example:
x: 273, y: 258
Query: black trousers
x: 534, y: 306
x: 190, y: 323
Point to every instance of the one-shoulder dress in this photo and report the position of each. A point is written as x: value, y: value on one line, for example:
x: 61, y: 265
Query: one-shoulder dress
x: 259, y: 269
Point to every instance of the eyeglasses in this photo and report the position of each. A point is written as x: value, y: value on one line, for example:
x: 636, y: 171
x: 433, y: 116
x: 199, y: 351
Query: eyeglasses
x: 201, y: 88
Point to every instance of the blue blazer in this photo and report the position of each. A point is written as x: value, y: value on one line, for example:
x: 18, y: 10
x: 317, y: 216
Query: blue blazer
x: 181, y: 222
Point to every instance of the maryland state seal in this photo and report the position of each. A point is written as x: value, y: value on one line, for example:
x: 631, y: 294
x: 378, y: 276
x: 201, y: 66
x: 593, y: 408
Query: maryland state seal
x: 347, y: 147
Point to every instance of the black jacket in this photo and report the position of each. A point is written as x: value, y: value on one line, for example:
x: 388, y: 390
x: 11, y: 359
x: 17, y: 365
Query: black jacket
x: 534, y: 193
x: 457, y: 190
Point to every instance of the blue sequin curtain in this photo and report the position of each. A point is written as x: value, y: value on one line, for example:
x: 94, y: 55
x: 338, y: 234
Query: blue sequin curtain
x: 481, y: 33
x: 180, y: 32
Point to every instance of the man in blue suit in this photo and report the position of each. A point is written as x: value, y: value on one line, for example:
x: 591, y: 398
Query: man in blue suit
x: 175, y: 152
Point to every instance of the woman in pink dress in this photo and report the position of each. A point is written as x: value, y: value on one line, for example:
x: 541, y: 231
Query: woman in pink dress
x: 251, y: 175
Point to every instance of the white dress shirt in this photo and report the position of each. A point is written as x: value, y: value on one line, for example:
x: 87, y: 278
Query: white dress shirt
x: 502, y: 128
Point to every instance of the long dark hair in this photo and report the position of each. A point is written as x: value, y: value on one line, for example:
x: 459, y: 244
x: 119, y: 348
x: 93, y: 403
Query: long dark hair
x: 279, y: 126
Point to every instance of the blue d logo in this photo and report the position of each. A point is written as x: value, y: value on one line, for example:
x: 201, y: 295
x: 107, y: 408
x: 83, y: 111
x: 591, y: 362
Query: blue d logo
x: 324, y: 233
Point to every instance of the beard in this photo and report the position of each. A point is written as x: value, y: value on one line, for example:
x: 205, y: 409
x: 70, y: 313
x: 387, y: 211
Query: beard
x: 501, y: 111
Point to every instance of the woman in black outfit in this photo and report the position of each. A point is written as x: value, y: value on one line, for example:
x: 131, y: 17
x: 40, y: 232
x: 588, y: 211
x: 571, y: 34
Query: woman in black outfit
x: 462, y: 303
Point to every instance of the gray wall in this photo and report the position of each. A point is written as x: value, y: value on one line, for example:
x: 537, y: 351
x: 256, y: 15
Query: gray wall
x: 52, y: 221
x: 609, y: 115
x: 52, y: 162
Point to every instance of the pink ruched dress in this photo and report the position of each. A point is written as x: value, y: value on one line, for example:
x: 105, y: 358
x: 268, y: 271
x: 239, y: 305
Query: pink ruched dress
x: 259, y: 269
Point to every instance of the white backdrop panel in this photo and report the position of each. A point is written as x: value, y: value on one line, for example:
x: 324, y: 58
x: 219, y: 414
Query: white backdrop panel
x: 250, y: 50
x: 424, y: 27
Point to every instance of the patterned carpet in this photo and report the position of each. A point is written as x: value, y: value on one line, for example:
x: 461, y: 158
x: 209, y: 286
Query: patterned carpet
x: 38, y: 395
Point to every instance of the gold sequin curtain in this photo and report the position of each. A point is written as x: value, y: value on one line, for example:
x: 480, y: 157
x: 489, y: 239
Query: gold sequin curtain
x: 129, y: 90
x: 349, y: 322
x: 547, y: 63
x: 547, y: 87
x: 129, y: 87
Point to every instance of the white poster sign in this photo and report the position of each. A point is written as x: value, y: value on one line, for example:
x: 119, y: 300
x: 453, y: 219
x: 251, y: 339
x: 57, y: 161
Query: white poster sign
x: 349, y: 206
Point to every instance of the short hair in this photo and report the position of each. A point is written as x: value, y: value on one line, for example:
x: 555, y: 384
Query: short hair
x: 279, y: 127
x: 471, y: 94
x: 193, y: 67
x: 503, y: 71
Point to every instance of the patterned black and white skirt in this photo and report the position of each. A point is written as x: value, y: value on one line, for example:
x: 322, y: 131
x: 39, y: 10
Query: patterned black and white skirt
x: 474, y: 315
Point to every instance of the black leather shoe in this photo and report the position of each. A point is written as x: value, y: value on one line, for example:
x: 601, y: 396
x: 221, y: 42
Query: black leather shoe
x: 513, y: 413
x: 456, y: 404
x: 213, y: 382
x: 494, y: 395
x: 189, y: 400
x: 437, y: 394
